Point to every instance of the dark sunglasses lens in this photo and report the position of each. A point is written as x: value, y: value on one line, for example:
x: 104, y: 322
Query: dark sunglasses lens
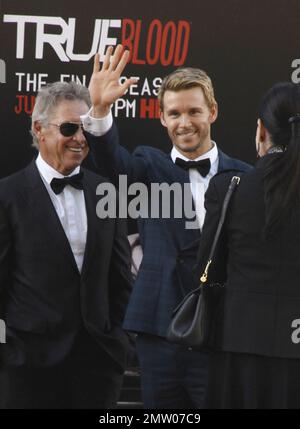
x: 68, y: 129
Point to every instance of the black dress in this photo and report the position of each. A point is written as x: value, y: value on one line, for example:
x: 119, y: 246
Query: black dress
x: 255, y: 362
x: 247, y: 381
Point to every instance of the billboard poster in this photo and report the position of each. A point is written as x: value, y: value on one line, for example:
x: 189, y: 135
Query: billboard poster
x: 245, y: 46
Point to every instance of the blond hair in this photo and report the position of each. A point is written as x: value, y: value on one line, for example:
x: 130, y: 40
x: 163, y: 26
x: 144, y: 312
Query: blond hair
x: 187, y: 78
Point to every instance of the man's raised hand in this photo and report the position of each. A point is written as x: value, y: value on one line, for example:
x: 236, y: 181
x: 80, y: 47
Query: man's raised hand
x: 104, y: 85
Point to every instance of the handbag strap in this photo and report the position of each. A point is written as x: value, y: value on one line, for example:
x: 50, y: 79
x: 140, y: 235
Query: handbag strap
x: 232, y: 186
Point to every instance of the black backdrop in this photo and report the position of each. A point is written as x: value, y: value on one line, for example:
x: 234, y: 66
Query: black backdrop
x: 244, y: 45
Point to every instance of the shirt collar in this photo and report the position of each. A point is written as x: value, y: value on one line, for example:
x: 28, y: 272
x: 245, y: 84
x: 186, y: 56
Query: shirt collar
x: 212, y: 154
x: 48, y: 173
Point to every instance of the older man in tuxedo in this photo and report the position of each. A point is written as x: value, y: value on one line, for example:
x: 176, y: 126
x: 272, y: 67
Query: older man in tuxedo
x: 64, y: 272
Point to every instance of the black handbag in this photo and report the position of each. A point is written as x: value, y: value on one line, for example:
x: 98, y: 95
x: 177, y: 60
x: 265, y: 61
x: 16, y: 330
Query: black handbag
x: 193, y: 317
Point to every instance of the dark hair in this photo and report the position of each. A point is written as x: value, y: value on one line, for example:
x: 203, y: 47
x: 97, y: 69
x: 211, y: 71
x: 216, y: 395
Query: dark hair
x: 279, y: 112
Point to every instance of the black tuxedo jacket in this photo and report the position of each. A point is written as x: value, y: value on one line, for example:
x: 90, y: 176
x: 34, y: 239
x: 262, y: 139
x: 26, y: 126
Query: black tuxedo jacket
x: 45, y: 300
x: 170, y: 249
x: 262, y: 293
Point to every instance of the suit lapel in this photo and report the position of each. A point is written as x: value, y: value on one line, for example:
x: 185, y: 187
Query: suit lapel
x: 99, y: 231
x: 90, y: 203
x: 44, y: 213
x: 186, y: 237
x: 225, y: 162
x: 178, y: 174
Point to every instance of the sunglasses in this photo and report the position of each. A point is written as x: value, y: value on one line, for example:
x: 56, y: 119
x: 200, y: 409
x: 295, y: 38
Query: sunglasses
x: 68, y: 129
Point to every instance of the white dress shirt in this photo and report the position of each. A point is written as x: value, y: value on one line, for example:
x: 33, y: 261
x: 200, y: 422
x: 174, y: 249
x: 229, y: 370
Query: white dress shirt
x: 199, y: 184
x: 96, y: 126
x: 70, y: 208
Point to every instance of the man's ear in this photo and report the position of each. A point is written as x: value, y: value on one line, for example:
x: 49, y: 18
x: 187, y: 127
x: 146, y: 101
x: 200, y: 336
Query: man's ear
x: 213, y: 113
x: 37, y: 127
x: 38, y: 131
x: 162, y: 119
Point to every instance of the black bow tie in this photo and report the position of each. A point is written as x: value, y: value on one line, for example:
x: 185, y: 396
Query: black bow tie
x: 58, y: 185
x: 203, y: 165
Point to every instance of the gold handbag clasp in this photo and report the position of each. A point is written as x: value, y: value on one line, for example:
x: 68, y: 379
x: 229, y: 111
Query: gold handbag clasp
x: 203, y: 278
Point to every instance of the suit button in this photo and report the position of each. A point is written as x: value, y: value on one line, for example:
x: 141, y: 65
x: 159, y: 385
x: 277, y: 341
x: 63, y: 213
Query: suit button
x: 190, y: 349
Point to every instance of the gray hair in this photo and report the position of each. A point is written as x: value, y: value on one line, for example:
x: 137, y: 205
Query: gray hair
x: 50, y: 96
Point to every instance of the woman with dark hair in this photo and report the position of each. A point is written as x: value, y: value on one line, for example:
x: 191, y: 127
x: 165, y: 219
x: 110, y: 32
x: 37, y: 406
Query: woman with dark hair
x: 256, y: 329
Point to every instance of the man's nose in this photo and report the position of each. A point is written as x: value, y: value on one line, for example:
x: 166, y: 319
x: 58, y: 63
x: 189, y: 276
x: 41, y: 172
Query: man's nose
x: 185, y: 120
